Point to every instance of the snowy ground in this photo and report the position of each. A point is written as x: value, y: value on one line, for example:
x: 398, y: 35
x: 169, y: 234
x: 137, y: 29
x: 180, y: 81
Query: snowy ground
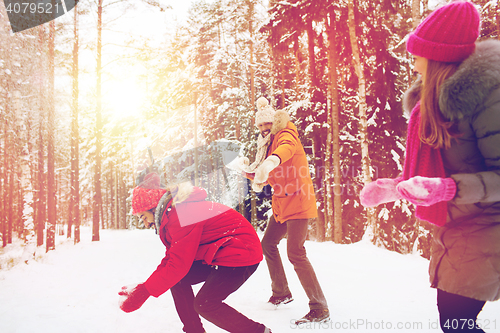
x: 74, y: 289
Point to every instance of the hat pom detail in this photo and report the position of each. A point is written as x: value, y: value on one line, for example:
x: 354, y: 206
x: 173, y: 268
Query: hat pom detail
x: 265, y: 112
x: 262, y: 103
x: 151, y: 181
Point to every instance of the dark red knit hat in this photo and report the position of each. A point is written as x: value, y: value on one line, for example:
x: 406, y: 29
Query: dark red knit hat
x: 448, y: 34
x: 147, y: 194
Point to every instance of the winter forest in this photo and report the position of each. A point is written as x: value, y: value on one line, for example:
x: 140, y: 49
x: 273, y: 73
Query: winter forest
x: 88, y: 102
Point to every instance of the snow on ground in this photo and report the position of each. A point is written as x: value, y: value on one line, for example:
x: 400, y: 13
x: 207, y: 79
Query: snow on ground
x: 74, y: 289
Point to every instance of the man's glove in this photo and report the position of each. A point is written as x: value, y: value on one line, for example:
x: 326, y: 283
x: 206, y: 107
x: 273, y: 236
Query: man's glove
x: 242, y: 162
x: 425, y: 191
x: 239, y: 164
x: 381, y: 191
x: 258, y: 187
x: 262, y: 172
x: 135, y: 296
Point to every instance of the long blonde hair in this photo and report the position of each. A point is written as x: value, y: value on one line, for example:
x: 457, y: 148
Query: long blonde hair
x: 435, y: 130
x: 181, y: 192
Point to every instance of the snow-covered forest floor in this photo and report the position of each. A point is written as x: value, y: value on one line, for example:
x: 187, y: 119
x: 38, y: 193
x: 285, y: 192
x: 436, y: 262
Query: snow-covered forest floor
x: 74, y: 289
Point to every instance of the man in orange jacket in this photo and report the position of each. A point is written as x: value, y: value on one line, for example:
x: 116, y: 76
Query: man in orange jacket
x: 282, y: 163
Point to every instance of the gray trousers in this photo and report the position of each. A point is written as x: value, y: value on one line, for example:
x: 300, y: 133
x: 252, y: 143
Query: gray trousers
x: 297, y: 232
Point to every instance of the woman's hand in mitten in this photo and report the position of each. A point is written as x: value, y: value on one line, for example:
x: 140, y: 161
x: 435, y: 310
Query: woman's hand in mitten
x: 425, y: 191
x: 135, y: 296
x: 381, y: 191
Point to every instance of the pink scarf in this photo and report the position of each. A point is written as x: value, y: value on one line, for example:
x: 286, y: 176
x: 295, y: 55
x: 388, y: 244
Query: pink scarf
x: 423, y: 160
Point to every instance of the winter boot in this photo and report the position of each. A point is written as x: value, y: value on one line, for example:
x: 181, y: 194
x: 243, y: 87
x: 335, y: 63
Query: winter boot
x: 278, y: 300
x: 315, y: 316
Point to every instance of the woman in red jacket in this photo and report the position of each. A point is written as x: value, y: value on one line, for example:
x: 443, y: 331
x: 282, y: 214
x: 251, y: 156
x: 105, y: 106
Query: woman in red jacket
x: 206, y: 242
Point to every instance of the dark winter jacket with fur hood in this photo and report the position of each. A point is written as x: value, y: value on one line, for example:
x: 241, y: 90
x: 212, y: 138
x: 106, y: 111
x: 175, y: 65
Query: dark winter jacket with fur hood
x: 465, y: 258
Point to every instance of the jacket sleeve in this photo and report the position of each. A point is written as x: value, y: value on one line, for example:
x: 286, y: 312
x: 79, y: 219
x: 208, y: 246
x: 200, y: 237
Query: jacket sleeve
x: 286, y: 146
x: 247, y: 175
x: 178, y: 260
x: 483, y: 186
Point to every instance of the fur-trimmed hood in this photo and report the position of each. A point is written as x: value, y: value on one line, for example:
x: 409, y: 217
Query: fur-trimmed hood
x: 281, y: 119
x: 464, y: 92
x: 412, y: 96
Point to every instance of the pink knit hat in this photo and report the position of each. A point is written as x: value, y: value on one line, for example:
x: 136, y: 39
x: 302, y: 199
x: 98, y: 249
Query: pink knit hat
x: 448, y: 34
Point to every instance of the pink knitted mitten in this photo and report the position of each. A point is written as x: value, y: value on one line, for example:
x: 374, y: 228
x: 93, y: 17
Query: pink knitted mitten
x: 425, y: 191
x: 380, y: 191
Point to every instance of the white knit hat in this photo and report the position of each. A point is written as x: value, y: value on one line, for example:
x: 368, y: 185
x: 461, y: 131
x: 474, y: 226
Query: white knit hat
x: 265, y: 112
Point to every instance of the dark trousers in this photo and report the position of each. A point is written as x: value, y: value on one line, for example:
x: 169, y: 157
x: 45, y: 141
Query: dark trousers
x: 458, y: 313
x: 220, y: 282
x: 297, y: 233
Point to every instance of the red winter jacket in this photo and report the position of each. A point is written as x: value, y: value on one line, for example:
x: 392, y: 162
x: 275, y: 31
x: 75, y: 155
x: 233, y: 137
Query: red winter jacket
x: 196, y: 229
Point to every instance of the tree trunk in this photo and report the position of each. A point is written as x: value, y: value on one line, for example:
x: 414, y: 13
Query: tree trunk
x: 312, y: 57
x: 7, y: 194
x: 334, y: 131
x: 22, y: 171
x: 10, y: 196
x: 31, y: 183
x: 75, y: 138
x: 97, y: 202
x: 363, y: 123
x: 40, y: 206
x: 116, y: 198
x: 9, y: 146
x: 123, y: 196
x: 2, y: 186
x: 319, y: 162
x: 51, y: 182
x: 296, y: 52
x: 498, y: 19
x: 425, y: 5
x: 253, y: 199
x: 282, y: 70
x: 415, y: 13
